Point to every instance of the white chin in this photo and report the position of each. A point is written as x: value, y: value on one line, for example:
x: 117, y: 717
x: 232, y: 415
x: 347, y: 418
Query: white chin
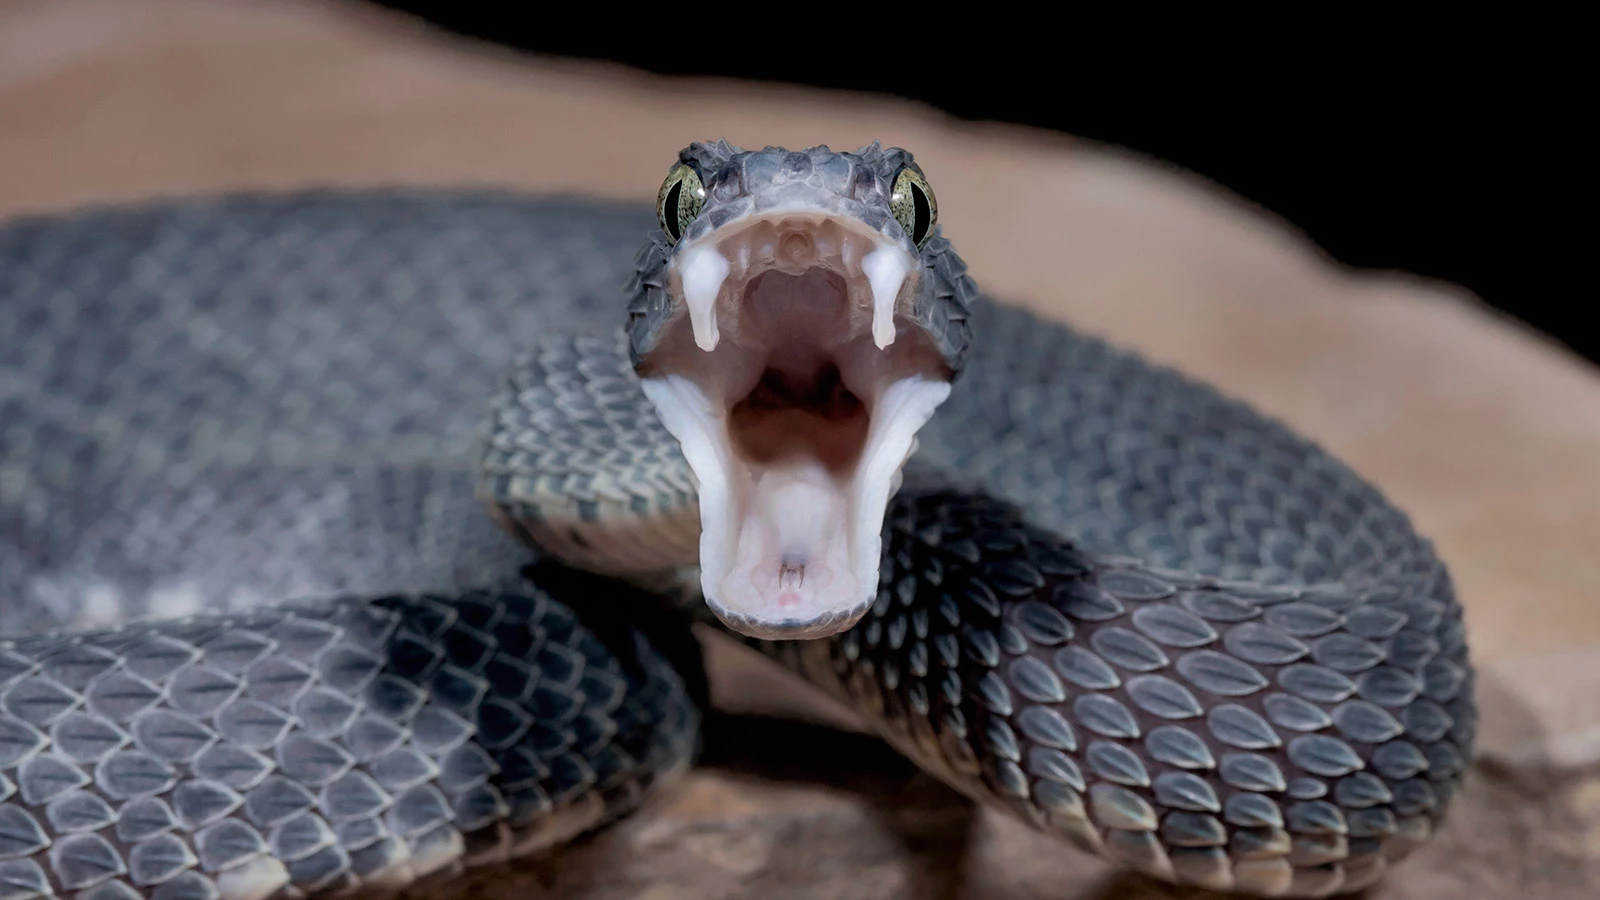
x: 789, y: 548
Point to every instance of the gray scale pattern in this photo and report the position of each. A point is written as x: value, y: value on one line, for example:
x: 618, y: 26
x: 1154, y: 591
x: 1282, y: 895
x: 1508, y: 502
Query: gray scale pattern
x: 1257, y: 790
x: 247, y: 800
x: 222, y: 424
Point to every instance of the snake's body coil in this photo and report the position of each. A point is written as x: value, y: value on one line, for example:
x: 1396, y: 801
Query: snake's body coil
x: 329, y: 746
x: 208, y: 408
x: 1227, y: 736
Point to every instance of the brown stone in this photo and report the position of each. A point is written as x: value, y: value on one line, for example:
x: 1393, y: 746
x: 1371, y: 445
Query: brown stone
x: 1488, y: 435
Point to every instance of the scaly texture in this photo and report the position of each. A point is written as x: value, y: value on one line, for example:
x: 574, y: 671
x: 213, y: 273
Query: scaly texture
x: 323, y: 746
x: 216, y: 405
x: 1275, y: 741
x: 1273, y: 696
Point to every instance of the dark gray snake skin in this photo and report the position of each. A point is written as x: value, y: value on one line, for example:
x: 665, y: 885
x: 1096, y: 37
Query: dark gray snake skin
x: 1244, y: 671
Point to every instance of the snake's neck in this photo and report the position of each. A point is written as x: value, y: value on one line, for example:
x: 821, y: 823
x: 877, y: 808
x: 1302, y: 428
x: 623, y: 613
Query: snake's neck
x: 796, y: 411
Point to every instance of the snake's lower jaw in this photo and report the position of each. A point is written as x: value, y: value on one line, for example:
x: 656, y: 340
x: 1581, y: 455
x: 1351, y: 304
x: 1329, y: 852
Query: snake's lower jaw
x: 790, y: 544
x: 789, y: 630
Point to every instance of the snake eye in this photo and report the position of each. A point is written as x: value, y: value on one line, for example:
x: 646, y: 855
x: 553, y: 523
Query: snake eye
x: 913, y: 206
x: 679, y: 201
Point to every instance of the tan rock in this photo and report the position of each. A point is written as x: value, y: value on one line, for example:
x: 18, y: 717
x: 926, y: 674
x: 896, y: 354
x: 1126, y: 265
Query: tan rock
x: 1488, y: 435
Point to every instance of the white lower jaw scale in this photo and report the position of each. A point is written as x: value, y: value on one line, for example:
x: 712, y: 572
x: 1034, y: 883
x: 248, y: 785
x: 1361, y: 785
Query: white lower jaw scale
x: 899, y: 414
x: 701, y: 431
x: 886, y: 270
x: 703, y: 270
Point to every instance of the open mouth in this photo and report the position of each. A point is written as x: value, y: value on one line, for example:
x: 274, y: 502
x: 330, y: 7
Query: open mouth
x: 796, y: 384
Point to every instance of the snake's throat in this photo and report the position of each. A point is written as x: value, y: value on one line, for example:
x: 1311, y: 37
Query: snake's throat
x: 795, y: 384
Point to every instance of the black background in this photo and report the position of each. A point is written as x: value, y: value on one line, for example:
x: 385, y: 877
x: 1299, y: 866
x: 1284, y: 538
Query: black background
x: 1447, y: 155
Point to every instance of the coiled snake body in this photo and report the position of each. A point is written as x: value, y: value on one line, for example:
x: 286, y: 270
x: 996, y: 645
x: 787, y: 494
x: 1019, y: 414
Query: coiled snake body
x: 257, y: 635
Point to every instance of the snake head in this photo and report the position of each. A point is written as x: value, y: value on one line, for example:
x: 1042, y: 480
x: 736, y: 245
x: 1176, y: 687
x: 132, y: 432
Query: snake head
x: 796, y: 319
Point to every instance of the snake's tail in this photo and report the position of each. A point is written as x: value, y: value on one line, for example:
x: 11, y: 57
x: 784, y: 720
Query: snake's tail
x: 1271, y: 741
x: 354, y: 743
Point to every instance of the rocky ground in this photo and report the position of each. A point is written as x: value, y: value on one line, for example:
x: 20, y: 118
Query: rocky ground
x: 1489, y: 436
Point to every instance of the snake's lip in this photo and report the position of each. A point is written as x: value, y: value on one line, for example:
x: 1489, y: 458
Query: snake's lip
x: 826, y: 625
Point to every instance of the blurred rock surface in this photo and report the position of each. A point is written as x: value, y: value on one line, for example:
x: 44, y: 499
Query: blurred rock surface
x: 1488, y: 435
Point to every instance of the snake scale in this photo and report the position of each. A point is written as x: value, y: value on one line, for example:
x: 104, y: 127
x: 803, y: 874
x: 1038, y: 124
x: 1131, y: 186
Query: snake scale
x: 259, y: 638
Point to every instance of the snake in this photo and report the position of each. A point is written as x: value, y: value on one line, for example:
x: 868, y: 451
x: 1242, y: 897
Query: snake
x: 353, y: 539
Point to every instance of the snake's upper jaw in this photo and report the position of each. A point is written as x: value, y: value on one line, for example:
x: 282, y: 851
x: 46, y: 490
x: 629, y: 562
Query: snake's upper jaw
x: 875, y: 271
x: 796, y: 389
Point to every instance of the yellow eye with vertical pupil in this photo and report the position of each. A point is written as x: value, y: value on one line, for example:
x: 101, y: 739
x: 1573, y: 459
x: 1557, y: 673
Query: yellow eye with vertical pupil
x: 913, y: 206
x: 679, y: 201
